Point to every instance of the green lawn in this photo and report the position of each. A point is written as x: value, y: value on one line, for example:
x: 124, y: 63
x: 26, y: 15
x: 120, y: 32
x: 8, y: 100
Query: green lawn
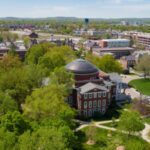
x: 103, y: 142
x: 142, y: 85
x: 111, y: 124
x: 146, y: 120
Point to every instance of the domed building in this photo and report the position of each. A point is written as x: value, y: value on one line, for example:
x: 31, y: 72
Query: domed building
x: 93, y: 89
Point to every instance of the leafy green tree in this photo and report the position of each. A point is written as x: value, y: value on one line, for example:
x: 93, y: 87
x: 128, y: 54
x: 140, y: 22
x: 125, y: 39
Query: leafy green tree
x: 130, y: 122
x: 51, y: 60
x: 7, y: 103
x: 43, y: 138
x: 107, y: 63
x: 8, y: 62
x: 26, y: 41
x: 144, y: 65
x: 14, y: 122
x: 62, y: 76
x: 12, y: 51
x: 15, y: 81
x: 37, y: 51
x: 8, y: 140
x: 46, y: 102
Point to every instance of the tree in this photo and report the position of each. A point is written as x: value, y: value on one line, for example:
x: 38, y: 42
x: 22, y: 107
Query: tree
x: 144, y: 65
x: 91, y: 133
x: 8, y: 62
x: 51, y: 60
x: 7, y: 140
x: 61, y: 76
x: 12, y: 51
x: 46, y: 102
x: 43, y: 138
x: 14, y: 122
x: 15, y: 81
x: 7, y: 103
x: 107, y: 63
x: 37, y: 51
x: 130, y: 122
x: 26, y: 41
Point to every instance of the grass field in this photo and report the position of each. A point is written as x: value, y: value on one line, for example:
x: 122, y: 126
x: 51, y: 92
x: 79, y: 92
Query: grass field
x: 103, y: 142
x: 142, y: 85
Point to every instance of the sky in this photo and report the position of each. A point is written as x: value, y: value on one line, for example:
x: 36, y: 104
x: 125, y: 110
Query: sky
x: 75, y: 8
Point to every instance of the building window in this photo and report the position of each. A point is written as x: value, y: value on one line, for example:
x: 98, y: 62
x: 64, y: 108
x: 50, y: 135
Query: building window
x: 94, y: 111
x: 95, y: 94
x: 90, y: 104
x: 99, y: 103
x: 99, y: 94
x: 90, y: 113
x: 85, y: 96
x: 104, y: 94
x: 99, y: 110
x: 104, y: 103
x: 85, y: 105
x: 90, y: 95
x: 85, y: 113
x: 103, y: 111
x: 94, y: 104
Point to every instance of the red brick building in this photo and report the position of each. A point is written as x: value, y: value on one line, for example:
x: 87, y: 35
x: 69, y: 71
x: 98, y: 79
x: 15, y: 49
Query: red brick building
x: 93, y: 90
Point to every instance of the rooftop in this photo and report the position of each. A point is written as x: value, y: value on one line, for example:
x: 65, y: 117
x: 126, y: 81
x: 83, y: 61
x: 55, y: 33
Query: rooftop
x: 82, y: 67
x: 90, y: 86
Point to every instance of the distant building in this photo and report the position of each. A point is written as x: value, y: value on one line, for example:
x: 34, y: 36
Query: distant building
x: 19, y: 48
x: 110, y: 43
x: 117, y: 52
x: 128, y: 61
x: 125, y: 23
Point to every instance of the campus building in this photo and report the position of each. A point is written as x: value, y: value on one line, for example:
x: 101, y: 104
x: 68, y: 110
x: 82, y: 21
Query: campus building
x: 93, y: 90
x: 111, y: 43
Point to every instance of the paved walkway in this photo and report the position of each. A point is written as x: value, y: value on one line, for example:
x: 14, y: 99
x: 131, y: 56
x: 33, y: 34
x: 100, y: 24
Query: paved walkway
x: 101, y: 125
x: 145, y: 132
x: 131, y: 91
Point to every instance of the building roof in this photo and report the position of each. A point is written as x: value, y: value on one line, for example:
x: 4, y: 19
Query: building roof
x: 113, y: 49
x: 82, y: 67
x: 90, y: 86
x: 101, y: 73
x: 115, y: 40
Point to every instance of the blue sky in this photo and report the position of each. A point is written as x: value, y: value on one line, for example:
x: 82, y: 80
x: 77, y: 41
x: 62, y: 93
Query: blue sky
x: 75, y: 8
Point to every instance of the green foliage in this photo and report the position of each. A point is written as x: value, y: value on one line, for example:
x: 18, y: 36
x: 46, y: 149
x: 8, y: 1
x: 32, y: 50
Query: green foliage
x: 7, y: 140
x: 12, y: 51
x: 9, y: 62
x: 7, y: 103
x: 106, y: 63
x: 26, y: 41
x: 43, y: 138
x: 62, y: 76
x: 37, y: 51
x: 130, y: 122
x: 144, y: 65
x: 14, y: 122
x: 20, y: 82
x: 46, y: 102
x: 52, y: 60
